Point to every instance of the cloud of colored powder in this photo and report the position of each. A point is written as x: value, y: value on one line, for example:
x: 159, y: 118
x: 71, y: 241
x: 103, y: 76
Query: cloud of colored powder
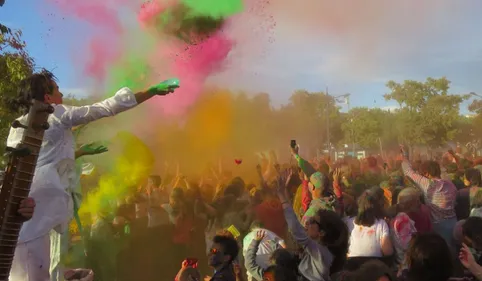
x: 132, y: 164
x: 192, y: 64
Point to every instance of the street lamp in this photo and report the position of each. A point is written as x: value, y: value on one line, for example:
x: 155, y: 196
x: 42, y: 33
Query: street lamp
x: 336, y: 99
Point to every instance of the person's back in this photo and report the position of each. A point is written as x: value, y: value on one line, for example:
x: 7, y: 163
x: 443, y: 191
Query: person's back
x: 365, y: 241
x: 462, y: 203
x: 421, y: 218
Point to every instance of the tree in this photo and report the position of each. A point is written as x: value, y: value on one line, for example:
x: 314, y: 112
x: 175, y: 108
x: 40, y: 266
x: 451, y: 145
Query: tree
x: 15, y: 65
x: 428, y: 113
x: 314, y: 118
x: 364, y: 126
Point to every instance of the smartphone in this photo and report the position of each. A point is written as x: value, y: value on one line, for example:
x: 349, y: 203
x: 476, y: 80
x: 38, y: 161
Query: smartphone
x: 192, y: 262
x: 293, y: 143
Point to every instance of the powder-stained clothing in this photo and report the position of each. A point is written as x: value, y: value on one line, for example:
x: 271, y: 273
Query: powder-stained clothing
x: 439, y: 194
x: 324, y: 203
x: 316, y: 259
x: 365, y: 241
x: 302, y: 199
x: 402, y: 228
x: 421, y: 218
x: 55, y: 173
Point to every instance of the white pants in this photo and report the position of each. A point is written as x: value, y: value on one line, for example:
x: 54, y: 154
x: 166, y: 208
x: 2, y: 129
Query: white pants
x: 32, y: 260
x: 59, y: 244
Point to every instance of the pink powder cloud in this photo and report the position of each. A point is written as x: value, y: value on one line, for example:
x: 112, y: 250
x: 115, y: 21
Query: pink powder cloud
x: 193, y: 66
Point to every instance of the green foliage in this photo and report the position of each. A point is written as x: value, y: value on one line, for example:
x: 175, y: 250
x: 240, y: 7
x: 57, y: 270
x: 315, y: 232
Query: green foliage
x: 428, y: 113
x: 15, y: 65
x: 366, y: 126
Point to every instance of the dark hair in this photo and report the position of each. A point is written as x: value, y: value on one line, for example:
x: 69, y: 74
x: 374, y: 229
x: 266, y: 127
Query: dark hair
x: 472, y: 228
x: 473, y: 176
x: 234, y: 190
x: 369, y: 209
x: 372, y: 162
x: 428, y: 257
x: 177, y: 192
x: 371, y: 270
x: 431, y: 167
x: 229, y: 245
x: 284, y: 258
x: 451, y: 168
x: 156, y: 179
x: 33, y: 87
x: 239, y: 182
x: 335, y: 237
x: 280, y: 273
x: 378, y: 192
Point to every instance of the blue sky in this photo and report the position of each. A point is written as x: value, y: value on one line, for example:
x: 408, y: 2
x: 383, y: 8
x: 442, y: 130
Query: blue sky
x: 405, y: 41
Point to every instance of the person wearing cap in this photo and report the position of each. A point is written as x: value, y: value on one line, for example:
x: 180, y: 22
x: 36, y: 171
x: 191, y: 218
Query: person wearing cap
x: 318, y: 187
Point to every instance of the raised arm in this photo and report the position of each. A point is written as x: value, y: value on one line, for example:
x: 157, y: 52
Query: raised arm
x: 123, y: 100
x: 420, y: 180
x: 296, y: 229
x: 250, y: 259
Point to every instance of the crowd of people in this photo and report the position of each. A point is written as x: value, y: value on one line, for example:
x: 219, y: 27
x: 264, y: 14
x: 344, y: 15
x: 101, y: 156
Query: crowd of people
x: 401, y: 217
x: 368, y: 219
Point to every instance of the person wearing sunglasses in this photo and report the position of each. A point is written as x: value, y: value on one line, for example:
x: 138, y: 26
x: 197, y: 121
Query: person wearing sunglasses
x: 221, y: 256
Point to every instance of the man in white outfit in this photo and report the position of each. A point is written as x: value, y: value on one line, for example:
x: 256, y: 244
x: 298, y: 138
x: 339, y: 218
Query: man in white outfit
x: 60, y: 242
x: 55, y: 171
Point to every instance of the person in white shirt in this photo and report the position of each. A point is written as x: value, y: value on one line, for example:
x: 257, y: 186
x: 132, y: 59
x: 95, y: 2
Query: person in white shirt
x: 55, y: 172
x: 267, y: 246
x: 60, y: 242
x: 369, y: 233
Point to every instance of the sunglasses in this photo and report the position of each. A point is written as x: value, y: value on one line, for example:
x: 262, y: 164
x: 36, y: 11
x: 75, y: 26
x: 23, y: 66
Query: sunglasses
x: 214, y: 251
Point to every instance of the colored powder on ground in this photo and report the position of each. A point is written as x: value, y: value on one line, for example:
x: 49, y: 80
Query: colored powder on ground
x: 133, y: 164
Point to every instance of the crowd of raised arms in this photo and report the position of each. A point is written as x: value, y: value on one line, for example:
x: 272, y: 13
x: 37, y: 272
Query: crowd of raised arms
x: 379, y: 218
x: 368, y: 219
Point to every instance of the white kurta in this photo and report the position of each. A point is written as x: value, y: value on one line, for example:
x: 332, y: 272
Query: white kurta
x: 55, y: 172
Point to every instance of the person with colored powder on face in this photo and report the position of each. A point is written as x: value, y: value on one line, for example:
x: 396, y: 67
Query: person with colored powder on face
x: 317, y: 186
x: 55, y: 168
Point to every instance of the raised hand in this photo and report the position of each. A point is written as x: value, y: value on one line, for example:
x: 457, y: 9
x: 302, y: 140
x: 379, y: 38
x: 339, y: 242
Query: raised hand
x: 337, y: 175
x: 260, y: 235
x: 165, y: 87
x: 258, y: 168
x: 92, y: 149
x: 466, y: 257
x: 283, y: 179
